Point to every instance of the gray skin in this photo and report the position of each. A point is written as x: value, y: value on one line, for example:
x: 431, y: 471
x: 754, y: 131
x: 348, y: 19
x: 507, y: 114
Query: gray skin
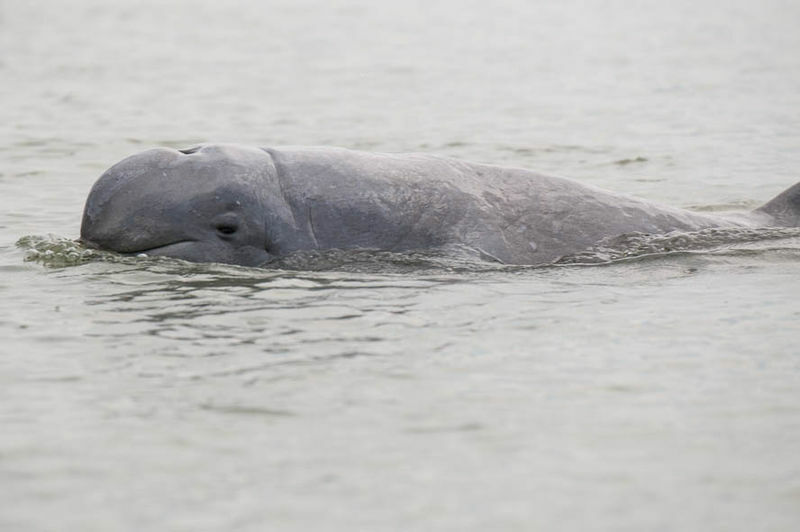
x: 244, y: 205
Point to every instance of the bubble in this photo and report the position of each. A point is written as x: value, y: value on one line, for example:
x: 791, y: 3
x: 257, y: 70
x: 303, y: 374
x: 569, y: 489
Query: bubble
x: 57, y: 251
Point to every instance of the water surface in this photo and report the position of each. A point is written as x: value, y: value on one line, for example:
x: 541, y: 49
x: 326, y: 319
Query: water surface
x: 657, y: 392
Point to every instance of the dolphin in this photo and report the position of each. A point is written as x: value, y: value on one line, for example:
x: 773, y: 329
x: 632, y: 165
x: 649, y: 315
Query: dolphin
x: 245, y: 205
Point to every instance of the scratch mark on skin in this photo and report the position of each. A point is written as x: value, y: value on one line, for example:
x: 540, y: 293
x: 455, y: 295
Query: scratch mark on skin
x: 489, y: 255
x: 279, y: 177
x: 311, y: 226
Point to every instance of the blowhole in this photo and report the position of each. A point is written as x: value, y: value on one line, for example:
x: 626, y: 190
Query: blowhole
x: 189, y: 151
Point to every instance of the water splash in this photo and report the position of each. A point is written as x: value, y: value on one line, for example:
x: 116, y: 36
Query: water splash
x: 58, y: 252
x: 53, y: 251
x: 452, y: 259
x: 634, y: 245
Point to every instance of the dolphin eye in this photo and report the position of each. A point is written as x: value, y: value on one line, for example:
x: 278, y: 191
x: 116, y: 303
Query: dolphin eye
x: 227, y: 228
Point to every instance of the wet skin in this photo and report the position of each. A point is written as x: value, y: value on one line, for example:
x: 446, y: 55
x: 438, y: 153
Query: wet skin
x: 245, y: 205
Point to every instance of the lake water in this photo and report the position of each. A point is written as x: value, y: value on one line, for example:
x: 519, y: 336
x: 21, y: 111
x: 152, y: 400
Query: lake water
x: 658, y: 393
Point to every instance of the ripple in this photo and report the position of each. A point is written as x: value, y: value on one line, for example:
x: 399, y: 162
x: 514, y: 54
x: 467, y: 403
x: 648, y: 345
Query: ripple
x: 631, y: 160
x: 247, y: 410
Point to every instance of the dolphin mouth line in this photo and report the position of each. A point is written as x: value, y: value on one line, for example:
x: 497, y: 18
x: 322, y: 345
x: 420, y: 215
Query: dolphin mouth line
x: 155, y: 248
x: 145, y: 251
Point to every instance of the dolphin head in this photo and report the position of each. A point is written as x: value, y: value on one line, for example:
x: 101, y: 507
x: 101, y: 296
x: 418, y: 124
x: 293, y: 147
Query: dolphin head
x: 212, y: 203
